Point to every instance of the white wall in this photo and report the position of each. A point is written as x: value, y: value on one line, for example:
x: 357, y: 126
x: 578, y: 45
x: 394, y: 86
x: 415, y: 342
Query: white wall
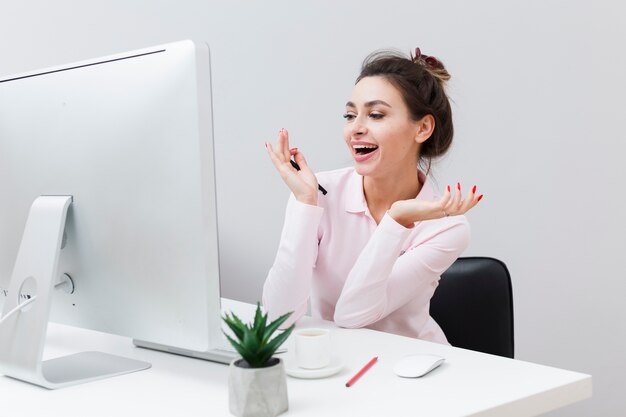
x: 537, y: 89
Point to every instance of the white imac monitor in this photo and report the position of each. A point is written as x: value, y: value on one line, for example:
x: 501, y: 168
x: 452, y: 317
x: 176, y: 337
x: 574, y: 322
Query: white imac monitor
x: 107, y: 207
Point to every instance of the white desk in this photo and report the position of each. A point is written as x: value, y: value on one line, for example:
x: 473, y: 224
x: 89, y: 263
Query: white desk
x: 468, y: 383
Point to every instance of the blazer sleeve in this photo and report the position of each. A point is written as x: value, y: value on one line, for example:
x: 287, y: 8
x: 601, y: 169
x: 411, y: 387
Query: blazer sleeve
x: 288, y: 284
x: 381, y: 281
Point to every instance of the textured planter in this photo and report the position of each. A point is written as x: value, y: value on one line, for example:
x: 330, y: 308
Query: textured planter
x: 257, y: 392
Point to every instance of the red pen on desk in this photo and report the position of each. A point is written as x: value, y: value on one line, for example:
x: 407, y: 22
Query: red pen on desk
x: 361, y: 372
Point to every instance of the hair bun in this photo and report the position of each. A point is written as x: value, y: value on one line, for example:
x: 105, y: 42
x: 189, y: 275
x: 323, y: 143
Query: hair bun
x: 434, y: 66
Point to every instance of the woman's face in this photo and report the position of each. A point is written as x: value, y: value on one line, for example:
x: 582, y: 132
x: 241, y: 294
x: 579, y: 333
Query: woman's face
x: 379, y: 131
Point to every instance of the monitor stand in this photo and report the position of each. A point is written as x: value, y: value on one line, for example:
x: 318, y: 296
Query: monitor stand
x: 24, y: 325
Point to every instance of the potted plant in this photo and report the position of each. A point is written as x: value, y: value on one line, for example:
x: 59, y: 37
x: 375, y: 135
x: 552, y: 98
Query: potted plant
x: 257, y: 384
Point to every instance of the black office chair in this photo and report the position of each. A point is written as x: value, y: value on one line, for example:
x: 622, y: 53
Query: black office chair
x: 474, y: 306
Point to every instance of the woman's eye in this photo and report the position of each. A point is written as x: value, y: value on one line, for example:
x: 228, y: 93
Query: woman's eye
x: 376, y: 115
x: 349, y: 116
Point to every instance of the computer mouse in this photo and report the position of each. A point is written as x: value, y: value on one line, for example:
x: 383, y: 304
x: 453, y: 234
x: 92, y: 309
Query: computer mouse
x: 414, y: 366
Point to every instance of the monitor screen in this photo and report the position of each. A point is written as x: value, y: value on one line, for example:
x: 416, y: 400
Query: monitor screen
x: 129, y: 137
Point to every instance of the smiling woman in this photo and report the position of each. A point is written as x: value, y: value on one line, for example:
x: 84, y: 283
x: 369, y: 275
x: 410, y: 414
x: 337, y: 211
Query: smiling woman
x: 371, y: 251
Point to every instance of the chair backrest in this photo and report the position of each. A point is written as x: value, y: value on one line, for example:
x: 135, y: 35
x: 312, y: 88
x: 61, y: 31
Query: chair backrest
x: 473, y: 304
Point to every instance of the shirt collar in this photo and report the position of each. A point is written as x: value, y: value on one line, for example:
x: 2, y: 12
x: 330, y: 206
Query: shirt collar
x: 355, y: 198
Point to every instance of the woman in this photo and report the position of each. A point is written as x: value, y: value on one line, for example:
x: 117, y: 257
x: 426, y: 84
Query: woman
x: 371, y: 251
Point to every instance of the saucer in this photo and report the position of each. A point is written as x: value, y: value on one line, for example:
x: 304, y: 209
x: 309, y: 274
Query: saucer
x: 293, y: 370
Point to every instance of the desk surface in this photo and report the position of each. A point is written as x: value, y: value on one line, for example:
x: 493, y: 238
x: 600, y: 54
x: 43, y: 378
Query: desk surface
x: 468, y: 383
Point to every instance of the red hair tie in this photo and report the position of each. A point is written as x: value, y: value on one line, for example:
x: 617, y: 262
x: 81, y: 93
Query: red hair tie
x: 433, y: 62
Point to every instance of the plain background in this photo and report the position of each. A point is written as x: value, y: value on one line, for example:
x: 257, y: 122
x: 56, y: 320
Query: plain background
x: 537, y: 90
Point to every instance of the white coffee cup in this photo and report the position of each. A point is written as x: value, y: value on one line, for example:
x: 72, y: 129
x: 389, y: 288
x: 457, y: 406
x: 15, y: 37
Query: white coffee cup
x: 312, y: 348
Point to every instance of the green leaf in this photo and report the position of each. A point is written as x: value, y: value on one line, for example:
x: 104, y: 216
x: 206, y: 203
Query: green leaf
x: 260, y: 321
x: 251, y: 344
x: 238, y: 321
x: 273, y: 326
x: 240, y: 349
x: 257, y: 316
x: 269, y: 349
x: 234, y: 326
x: 275, y: 343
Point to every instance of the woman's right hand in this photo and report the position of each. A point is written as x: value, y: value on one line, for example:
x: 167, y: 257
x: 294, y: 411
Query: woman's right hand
x: 303, y: 183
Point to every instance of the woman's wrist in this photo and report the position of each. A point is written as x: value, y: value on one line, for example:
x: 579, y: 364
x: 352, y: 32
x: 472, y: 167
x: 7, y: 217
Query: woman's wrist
x: 401, y: 216
x: 310, y: 200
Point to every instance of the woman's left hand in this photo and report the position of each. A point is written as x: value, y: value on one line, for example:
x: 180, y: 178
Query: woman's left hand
x: 408, y: 212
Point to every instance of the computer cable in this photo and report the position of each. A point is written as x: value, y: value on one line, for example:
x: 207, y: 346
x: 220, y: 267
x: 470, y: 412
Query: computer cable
x: 17, y: 308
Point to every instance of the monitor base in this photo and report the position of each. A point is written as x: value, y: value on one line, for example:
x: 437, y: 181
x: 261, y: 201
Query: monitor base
x: 218, y: 355
x: 86, y: 367
x: 25, y: 323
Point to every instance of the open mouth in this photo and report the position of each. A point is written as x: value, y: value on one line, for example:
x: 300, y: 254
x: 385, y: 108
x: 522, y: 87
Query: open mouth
x: 364, y: 149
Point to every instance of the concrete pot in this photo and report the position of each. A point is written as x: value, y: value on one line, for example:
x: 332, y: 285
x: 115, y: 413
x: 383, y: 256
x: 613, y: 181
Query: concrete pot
x: 257, y: 392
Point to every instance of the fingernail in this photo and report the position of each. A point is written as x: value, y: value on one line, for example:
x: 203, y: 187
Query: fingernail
x: 474, y: 190
x: 448, y: 188
x: 480, y: 197
x: 294, y: 149
x: 458, y: 186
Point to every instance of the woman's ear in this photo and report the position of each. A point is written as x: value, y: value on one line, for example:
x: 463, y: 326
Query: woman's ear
x: 425, y: 128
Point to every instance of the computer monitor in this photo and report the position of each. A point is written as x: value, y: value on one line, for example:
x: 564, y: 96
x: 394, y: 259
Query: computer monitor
x: 113, y: 159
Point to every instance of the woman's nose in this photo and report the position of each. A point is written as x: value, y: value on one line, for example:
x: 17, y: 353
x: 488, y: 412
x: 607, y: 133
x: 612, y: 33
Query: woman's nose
x: 358, y: 129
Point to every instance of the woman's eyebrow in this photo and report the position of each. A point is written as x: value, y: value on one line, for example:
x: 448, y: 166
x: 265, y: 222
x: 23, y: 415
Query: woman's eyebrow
x: 370, y: 103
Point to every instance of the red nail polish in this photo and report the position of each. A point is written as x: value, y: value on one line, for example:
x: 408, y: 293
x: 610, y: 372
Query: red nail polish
x: 458, y: 186
x: 448, y: 188
x: 474, y: 190
x: 480, y: 197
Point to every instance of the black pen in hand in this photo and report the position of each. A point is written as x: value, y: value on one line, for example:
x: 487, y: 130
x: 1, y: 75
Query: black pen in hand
x: 296, y: 166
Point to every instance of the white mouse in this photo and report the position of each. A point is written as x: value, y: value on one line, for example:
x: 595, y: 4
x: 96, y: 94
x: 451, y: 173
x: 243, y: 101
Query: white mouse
x: 414, y: 366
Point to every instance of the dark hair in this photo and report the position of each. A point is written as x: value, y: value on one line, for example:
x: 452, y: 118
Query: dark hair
x: 421, y: 81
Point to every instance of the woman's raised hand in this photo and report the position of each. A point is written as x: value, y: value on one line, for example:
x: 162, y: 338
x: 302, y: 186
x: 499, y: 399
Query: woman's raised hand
x: 303, y: 183
x: 407, y: 212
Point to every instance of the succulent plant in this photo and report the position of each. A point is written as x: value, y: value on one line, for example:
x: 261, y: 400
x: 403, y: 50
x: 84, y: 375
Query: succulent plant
x: 253, y: 340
